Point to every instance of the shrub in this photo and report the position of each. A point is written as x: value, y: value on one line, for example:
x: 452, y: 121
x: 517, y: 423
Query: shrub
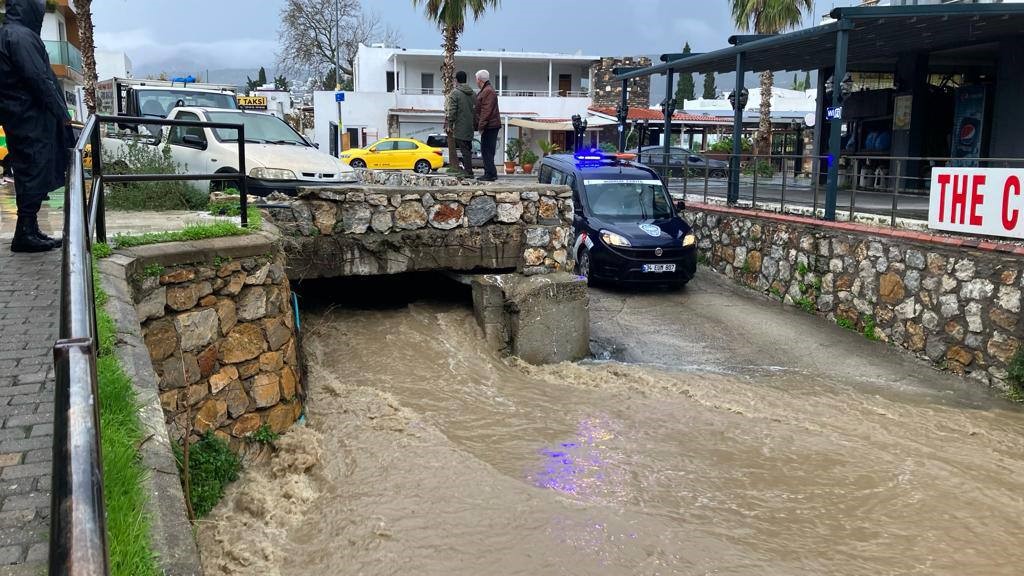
x: 762, y: 168
x: 264, y: 435
x: 608, y: 147
x: 724, y: 145
x: 529, y: 157
x: 212, y: 466
x: 513, y: 149
x: 136, y: 157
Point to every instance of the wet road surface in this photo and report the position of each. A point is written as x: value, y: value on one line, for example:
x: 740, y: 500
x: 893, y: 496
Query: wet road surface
x: 723, y: 434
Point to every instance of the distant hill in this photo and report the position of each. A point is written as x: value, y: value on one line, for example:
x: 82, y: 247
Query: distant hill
x: 233, y: 76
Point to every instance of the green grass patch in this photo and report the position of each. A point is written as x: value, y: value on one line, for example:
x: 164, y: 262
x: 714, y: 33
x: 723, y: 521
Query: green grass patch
x: 190, y: 232
x: 228, y: 208
x: 1015, y: 377
x: 806, y: 304
x: 264, y: 435
x: 869, y: 328
x: 846, y: 323
x: 123, y: 473
x: 101, y: 250
x: 153, y: 271
x: 212, y: 466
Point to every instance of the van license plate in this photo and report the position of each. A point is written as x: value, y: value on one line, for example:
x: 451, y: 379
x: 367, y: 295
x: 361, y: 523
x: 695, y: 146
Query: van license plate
x: 659, y: 268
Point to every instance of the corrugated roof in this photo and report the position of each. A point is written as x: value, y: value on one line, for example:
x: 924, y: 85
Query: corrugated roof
x: 877, y: 36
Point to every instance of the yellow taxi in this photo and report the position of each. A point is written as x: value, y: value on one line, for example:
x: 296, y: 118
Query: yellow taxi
x: 395, y: 154
x: 3, y: 144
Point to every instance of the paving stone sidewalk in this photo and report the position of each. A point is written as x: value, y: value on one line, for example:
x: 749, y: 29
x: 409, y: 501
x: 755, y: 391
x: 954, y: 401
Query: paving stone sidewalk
x: 29, y: 318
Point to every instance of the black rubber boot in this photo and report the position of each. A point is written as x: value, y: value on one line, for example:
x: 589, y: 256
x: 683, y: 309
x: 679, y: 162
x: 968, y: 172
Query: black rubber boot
x: 26, y: 241
x: 33, y: 224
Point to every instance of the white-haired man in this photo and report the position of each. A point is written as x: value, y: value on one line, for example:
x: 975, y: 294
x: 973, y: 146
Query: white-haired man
x: 488, y: 122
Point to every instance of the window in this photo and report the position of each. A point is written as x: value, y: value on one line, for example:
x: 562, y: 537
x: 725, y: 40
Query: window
x: 504, y: 82
x: 545, y: 174
x: 393, y: 80
x: 559, y: 177
x: 628, y: 200
x: 178, y: 133
x: 427, y: 83
x: 403, y: 145
x: 384, y: 146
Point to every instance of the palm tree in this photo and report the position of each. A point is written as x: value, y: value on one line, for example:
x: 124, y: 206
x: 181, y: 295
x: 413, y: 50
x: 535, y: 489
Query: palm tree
x: 450, y: 17
x: 768, y: 17
x: 88, y: 46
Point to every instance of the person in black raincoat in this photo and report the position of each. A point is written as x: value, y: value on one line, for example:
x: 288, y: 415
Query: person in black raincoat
x: 35, y: 117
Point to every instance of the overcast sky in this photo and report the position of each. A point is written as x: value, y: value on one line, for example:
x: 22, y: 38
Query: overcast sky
x: 243, y: 34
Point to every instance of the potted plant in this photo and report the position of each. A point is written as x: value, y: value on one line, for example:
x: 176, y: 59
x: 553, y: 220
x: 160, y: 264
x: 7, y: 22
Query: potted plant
x: 513, y: 149
x: 549, y: 148
x: 528, y: 157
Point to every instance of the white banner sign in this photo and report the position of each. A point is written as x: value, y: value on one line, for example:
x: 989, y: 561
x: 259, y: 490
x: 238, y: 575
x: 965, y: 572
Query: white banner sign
x: 983, y: 201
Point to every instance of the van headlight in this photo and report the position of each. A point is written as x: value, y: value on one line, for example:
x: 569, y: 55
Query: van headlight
x: 613, y: 239
x: 271, y: 174
x: 689, y: 240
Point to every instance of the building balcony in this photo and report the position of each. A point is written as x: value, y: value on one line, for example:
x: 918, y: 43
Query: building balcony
x: 63, y: 54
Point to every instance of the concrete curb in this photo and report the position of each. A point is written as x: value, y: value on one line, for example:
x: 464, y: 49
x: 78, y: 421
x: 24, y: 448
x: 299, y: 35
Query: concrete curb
x: 170, y: 530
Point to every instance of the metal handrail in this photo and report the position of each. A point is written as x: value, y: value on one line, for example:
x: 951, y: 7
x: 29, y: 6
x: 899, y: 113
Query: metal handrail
x: 78, y: 535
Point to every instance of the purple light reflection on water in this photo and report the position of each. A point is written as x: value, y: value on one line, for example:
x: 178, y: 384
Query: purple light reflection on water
x: 581, y: 467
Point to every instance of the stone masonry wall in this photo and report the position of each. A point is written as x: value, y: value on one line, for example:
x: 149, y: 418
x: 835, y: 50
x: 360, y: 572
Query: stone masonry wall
x: 373, y: 229
x: 221, y: 336
x: 639, y: 95
x: 954, y: 302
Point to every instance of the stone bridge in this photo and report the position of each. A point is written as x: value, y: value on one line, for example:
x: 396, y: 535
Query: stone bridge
x: 511, y: 242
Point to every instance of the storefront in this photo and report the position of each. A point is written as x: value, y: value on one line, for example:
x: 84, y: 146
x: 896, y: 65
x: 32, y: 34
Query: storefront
x: 902, y: 90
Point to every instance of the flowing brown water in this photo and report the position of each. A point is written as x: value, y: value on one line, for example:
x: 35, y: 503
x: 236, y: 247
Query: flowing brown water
x: 426, y: 454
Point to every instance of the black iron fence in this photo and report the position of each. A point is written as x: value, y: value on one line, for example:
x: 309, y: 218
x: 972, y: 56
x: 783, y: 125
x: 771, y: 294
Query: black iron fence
x: 78, y: 545
x: 891, y: 188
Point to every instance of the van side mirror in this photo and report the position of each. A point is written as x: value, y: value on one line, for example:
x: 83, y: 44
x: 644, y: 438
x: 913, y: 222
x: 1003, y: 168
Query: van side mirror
x: 194, y: 141
x: 679, y: 204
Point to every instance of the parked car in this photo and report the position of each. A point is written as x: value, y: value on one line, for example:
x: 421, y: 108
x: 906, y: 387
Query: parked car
x: 277, y: 158
x: 395, y: 154
x: 440, y: 142
x: 3, y: 151
x: 680, y: 159
x: 625, y: 225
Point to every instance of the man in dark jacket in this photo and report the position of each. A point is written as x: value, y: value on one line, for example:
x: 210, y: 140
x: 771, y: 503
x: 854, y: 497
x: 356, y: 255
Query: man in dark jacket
x: 488, y: 122
x: 34, y: 114
x: 458, y: 108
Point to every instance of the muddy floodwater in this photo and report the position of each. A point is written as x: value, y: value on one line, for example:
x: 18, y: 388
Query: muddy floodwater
x: 717, y: 434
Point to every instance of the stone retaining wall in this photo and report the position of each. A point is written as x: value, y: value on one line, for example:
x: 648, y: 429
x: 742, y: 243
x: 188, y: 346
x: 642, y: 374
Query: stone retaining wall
x: 370, y: 229
x: 955, y: 302
x: 217, y: 320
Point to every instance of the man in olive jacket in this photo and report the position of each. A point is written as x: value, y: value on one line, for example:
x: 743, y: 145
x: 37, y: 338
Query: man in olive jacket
x: 458, y: 109
x: 488, y: 122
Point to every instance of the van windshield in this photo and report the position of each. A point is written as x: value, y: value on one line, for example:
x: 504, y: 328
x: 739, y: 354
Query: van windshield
x: 262, y: 128
x: 628, y: 199
x: 159, y: 103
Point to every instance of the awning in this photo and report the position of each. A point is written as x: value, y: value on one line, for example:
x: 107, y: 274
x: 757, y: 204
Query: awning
x: 593, y: 123
x: 877, y: 36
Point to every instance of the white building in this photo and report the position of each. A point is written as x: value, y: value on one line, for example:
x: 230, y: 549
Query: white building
x: 787, y: 105
x: 398, y: 92
x: 112, y: 64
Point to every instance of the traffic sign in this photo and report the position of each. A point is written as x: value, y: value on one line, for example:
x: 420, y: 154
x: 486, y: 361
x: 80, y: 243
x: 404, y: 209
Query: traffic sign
x: 339, y: 96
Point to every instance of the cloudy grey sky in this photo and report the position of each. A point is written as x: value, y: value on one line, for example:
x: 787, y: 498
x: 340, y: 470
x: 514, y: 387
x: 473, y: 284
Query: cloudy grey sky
x: 243, y: 34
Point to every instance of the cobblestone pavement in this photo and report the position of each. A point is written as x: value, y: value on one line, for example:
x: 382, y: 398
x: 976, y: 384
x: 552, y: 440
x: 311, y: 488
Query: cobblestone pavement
x: 29, y: 316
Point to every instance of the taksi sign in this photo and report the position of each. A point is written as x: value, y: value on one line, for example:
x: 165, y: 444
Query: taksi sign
x: 252, y: 102
x: 983, y: 201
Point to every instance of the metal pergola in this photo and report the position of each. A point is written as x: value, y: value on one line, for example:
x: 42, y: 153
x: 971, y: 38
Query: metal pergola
x: 865, y: 37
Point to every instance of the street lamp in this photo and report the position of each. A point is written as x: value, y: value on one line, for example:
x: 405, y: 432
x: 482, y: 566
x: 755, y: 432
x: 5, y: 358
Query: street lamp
x: 744, y: 97
x: 579, y: 128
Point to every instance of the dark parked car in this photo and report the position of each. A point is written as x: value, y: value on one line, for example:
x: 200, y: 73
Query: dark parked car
x: 680, y: 159
x: 441, y: 141
x: 625, y: 225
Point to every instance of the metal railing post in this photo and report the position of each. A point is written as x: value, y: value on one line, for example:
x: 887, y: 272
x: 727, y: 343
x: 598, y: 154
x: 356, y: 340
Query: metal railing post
x: 817, y: 184
x: 853, y: 195
x: 895, y: 194
x: 782, y: 196
x: 686, y: 171
x: 97, y: 190
x: 753, y: 191
x: 243, y: 184
x: 707, y: 177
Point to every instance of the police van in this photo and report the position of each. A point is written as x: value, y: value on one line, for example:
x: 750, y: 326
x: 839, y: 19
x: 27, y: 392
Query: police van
x: 626, y: 228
